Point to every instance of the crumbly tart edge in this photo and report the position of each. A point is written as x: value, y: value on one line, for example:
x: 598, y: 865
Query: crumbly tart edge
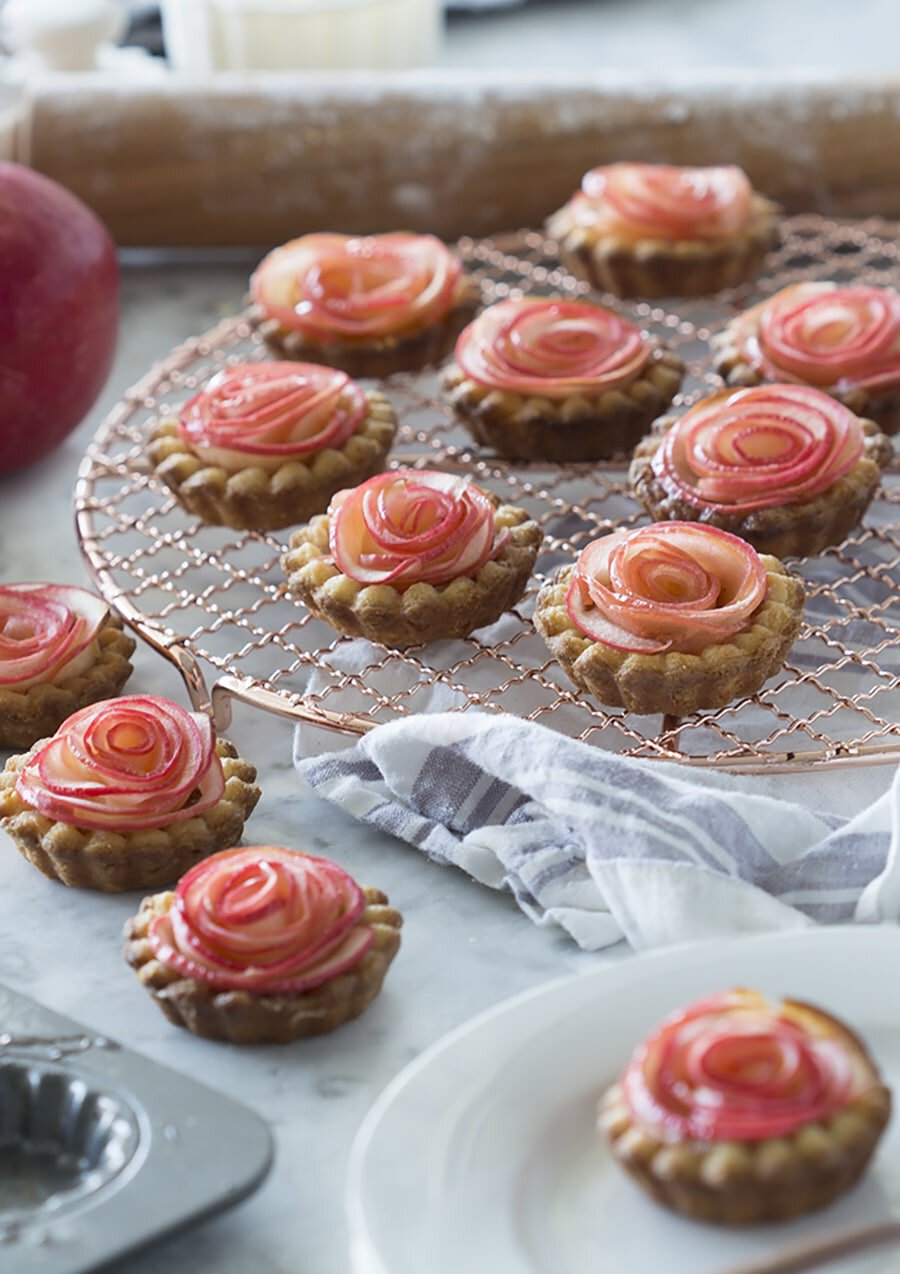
x: 385, y: 355
x: 254, y: 499
x: 241, y: 1017
x: 675, y: 683
x: 570, y: 429
x: 746, y: 1183
x: 881, y: 406
x: 29, y: 715
x: 418, y: 613
x: 116, y: 861
x: 656, y: 268
x: 799, y: 530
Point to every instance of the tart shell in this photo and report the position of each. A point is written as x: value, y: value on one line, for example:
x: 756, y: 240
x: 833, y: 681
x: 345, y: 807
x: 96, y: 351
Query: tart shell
x: 241, y: 1017
x: 880, y: 405
x: 745, y: 1183
x: 255, y: 499
x: 29, y: 715
x: 675, y: 683
x: 570, y: 429
x: 787, y: 529
x: 418, y: 613
x: 384, y: 355
x: 87, y: 858
x: 655, y: 268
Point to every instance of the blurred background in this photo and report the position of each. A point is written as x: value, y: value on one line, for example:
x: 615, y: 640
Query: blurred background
x: 200, y: 36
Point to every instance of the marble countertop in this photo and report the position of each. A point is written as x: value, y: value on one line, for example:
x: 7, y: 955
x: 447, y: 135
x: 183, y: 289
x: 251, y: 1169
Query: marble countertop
x: 464, y: 947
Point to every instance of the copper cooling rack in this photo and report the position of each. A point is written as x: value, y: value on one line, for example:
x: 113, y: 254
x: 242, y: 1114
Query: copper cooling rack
x: 212, y: 600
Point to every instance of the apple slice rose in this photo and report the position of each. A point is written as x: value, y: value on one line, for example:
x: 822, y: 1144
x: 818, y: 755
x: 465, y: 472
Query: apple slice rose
x: 662, y: 201
x: 263, y: 919
x: 735, y: 1067
x: 265, y: 414
x: 334, y: 285
x: 131, y: 763
x: 673, y: 586
x: 553, y: 348
x: 413, y: 526
x: 747, y: 449
x: 48, y: 633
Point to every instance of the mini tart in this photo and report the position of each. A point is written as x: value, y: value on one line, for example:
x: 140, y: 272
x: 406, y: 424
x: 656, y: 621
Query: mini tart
x: 342, y: 282
x: 260, y: 1016
x: 559, y: 380
x: 842, y: 340
x: 652, y: 230
x: 784, y: 525
x: 398, y: 606
x: 275, y: 487
x: 113, y: 858
x: 741, y: 1180
x: 675, y: 682
x: 35, y: 710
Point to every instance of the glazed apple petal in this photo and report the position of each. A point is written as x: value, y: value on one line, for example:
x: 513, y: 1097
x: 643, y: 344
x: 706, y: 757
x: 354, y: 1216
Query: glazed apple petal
x: 270, y: 413
x: 748, y: 449
x: 667, y: 202
x: 341, y: 286
x: 736, y: 1067
x: 552, y: 348
x: 48, y: 632
x: 126, y: 764
x: 263, y: 919
x: 413, y: 526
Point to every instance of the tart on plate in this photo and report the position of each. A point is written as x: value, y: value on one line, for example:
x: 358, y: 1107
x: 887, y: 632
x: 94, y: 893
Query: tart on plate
x: 740, y: 1110
x: 670, y: 618
x: 127, y: 794
x: 784, y: 466
x: 61, y: 648
x: 371, y: 305
x: 266, y: 445
x: 655, y: 230
x: 549, y: 379
x: 263, y: 945
x: 842, y: 340
x: 412, y: 556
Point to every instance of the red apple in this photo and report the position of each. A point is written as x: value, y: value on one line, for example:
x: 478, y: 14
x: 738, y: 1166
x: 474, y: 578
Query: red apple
x: 59, y: 313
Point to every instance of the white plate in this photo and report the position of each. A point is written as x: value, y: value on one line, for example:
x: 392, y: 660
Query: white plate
x: 481, y: 1157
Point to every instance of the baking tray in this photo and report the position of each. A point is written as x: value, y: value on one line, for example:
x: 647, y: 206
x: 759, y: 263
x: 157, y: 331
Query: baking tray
x: 212, y: 599
x: 101, y: 1150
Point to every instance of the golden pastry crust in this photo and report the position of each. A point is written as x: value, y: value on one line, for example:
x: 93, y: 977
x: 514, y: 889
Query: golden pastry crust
x: 569, y: 429
x: 115, y: 861
x: 244, y: 1018
x: 675, y: 683
x: 383, y: 355
x: 418, y: 613
x: 880, y: 405
x: 656, y: 268
x: 745, y: 1183
x: 255, y: 499
x: 788, y: 529
x: 29, y: 715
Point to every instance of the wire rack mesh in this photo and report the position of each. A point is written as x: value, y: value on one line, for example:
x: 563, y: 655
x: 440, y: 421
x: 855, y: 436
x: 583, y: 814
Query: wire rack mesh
x: 213, y: 599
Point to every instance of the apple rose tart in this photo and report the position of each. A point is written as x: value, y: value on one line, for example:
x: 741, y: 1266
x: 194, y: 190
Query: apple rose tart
x: 61, y: 648
x: 740, y: 1110
x: 547, y: 379
x: 784, y: 466
x: 266, y: 445
x: 654, y: 230
x: 842, y: 340
x: 126, y: 795
x: 670, y: 618
x: 263, y: 945
x: 412, y: 556
x: 370, y: 305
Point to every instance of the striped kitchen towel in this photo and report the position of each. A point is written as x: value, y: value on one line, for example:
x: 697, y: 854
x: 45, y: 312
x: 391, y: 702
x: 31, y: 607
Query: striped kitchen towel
x: 607, y: 846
